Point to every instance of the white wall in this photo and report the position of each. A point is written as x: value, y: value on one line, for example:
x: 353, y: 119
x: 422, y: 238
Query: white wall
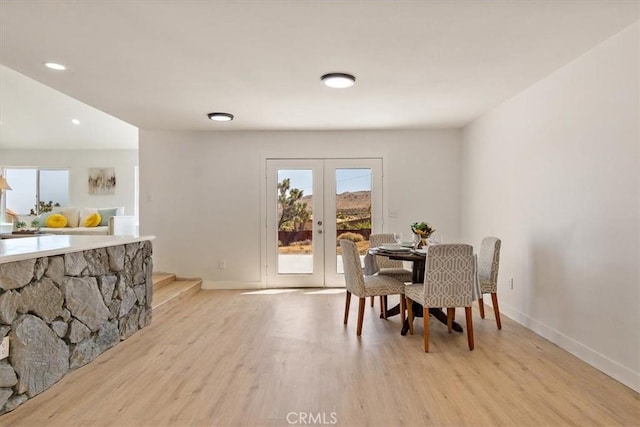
x: 78, y: 162
x: 200, y: 192
x: 555, y: 172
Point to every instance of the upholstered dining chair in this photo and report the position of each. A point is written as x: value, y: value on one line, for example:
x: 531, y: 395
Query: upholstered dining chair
x: 387, y: 266
x: 488, y: 263
x: 365, y: 286
x: 448, y: 282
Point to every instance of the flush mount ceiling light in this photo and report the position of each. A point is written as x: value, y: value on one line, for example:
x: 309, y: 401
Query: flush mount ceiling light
x: 75, y: 121
x: 220, y: 117
x: 55, y: 66
x: 338, y: 80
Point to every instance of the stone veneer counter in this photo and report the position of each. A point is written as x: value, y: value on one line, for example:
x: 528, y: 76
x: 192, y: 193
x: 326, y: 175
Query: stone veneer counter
x: 64, y: 300
x: 30, y: 247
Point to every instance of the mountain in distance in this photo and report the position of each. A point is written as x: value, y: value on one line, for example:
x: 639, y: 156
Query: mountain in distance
x: 356, y: 202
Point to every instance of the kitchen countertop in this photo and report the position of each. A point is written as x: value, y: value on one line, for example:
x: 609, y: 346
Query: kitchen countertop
x: 47, y: 245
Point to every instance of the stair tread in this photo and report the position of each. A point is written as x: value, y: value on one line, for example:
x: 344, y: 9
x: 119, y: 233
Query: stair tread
x: 162, y: 279
x: 175, y: 289
x: 160, y: 275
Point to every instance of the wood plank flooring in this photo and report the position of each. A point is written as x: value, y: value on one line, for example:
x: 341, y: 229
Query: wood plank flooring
x: 227, y: 358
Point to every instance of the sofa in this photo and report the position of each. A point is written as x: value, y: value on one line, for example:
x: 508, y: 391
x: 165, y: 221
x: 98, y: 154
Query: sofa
x: 112, y: 221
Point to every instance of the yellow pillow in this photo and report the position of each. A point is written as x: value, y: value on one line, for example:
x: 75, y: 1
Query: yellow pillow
x: 56, y: 221
x: 93, y: 220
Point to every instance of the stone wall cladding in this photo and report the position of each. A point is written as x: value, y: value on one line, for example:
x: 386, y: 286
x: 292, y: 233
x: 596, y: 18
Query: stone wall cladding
x: 61, y: 312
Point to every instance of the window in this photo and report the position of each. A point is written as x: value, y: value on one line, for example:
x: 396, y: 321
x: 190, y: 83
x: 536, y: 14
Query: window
x: 36, y: 190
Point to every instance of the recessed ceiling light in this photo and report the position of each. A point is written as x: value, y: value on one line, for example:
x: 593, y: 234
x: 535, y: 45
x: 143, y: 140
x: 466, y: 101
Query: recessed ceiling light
x: 75, y: 121
x: 55, y: 66
x: 220, y: 117
x: 338, y: 80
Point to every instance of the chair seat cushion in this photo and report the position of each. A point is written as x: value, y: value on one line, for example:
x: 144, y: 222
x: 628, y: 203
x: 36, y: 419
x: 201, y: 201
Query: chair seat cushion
x: 486, y: 286
x: 414, y: 292
x: 382, y: 285
x: 397, y: 273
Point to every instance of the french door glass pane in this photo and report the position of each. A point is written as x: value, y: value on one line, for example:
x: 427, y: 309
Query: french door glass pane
x: 353, y: 209
x: 295, y: 219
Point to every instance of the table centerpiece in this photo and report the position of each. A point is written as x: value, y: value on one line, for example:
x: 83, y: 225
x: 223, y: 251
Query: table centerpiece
x: 422, y: 231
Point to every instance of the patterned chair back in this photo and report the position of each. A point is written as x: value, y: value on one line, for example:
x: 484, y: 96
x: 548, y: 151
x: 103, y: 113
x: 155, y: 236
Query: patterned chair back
x: 448, y: 277
x: 488, y: 263
x: 378, y: 239
x: 354, y: 280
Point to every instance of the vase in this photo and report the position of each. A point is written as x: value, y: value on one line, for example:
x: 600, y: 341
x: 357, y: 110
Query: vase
x: 420, y: 242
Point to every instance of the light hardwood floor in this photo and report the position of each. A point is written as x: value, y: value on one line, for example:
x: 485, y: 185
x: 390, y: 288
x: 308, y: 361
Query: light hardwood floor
x: 223, y: 358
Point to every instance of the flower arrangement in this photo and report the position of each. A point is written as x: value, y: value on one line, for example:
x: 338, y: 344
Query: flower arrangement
x: 422, y: 229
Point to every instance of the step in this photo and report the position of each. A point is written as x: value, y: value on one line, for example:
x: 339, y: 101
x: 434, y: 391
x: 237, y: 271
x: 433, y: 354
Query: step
x: 170, y: 294
x: 162, y: 279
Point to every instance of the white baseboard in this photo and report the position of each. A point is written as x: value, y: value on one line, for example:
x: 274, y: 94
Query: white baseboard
x: 604, y: 364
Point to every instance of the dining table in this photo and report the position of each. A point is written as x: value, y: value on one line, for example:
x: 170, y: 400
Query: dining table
x: 417, y: 257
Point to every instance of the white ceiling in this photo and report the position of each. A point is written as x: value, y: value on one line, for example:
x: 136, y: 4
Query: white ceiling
x: 166, y: 64
x: 35, y: 116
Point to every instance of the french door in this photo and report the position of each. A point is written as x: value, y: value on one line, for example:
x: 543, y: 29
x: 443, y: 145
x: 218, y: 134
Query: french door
x: 310, y: 202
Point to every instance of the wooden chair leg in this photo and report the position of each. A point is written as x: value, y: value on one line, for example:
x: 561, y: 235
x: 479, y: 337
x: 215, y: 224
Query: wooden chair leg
x: 403, y: 309
x: 425, y: 321
x: 346, y: 307
x: 409, y: 304
x: 451, y: 314
x: 481, y: 307
x: 468, y: 315
x: 372, y: 300
x: 383, y: 307
x: 361, y: 304
x: 496, y: 310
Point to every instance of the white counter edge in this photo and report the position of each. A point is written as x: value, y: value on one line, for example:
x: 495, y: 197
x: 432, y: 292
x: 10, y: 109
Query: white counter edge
x: 42, y: 246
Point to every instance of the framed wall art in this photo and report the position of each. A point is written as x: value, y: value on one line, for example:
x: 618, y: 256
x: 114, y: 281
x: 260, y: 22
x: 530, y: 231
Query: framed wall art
x: 102, y: 181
